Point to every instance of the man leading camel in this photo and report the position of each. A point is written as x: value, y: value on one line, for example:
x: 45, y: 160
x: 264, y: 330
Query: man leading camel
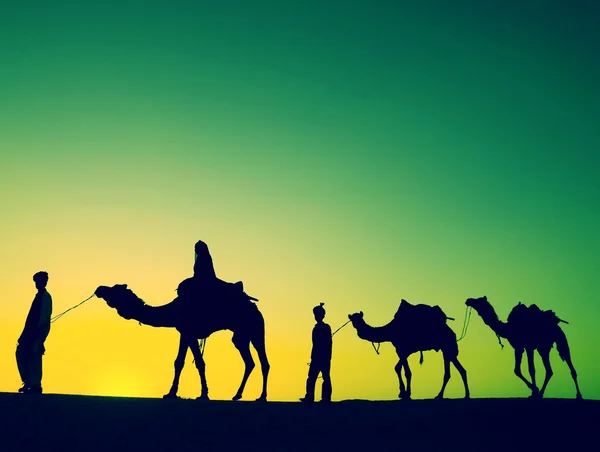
x: 320, y: 358
x: 30, y: 347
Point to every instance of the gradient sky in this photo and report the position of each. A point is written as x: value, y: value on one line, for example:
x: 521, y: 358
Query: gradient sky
x: 350, y: 152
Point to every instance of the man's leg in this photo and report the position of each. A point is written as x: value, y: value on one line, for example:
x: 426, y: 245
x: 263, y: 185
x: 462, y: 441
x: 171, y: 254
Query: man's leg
x: 313, y: 373
x: 22, y: 355
x: 326, y: 388
x: 35, y: 372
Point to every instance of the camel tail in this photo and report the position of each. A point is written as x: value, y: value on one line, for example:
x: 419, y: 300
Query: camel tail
x: 562, y: 346
x: 421, y: 359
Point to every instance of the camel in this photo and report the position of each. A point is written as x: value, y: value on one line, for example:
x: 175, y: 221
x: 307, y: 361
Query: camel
x: 409, y: 337
x: 197, y: 319
x: 529, y: 329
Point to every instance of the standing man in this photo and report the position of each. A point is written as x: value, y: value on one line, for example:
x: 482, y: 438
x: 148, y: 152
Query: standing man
x: 320, y: 358
x: 30, y: 347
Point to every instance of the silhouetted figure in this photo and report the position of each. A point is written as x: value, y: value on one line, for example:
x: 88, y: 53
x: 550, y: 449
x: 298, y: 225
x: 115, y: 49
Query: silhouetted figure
x: 203, y: 263
x: 30, y: 346
x: 204, y: 285
x: 320, y: 358
x: 528, y: 329
x: 198, y: 321
x: 415, y: 328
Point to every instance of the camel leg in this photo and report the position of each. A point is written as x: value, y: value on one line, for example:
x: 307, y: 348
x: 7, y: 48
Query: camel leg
x: 446, y: 377
x: 545, y: 354
x: 574, y: 375
x: 259, y: 346
x: 408, y: 376
x: 398, y: 369
x: 179, y: 363
x: 518, y: 359
x: 531, y: 364
x: 567, y: 359
x: 243, y: 346
x: 463, y: 375
x: 201, y: 366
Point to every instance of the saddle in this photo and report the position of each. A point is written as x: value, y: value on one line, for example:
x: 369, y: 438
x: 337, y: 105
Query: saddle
x: 532, y: 315
x: 420, y: 315
x: 213, y: 290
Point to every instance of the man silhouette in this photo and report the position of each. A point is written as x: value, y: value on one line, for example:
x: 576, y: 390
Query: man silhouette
x: 205, y: 285
x: 320, y: 358
x: 30, y: 347
x: 204, y: 269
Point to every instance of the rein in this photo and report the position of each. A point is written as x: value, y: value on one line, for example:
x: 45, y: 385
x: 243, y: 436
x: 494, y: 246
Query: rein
x: 58, y: 316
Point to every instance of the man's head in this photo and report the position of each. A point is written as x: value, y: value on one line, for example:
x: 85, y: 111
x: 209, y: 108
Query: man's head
x: 319, y: 312
x: 40, y: 279
x: 201, y: 249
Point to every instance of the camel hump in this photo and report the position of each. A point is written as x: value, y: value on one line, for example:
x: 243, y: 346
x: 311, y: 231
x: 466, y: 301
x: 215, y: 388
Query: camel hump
x: 420, y: 313
x: 533, y: 315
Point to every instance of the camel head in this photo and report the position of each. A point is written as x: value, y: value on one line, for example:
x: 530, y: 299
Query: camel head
x: 121, y: 298
x: 478, y: 303
x: 356, y: 319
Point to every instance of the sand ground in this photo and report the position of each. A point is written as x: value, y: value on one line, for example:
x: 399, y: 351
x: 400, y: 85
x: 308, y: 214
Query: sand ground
x: 54, y: 422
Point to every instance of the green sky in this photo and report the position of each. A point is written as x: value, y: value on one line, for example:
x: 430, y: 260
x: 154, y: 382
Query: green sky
x: 357, y: 152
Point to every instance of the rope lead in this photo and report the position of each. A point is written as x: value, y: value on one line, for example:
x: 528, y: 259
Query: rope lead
x: 58, y: 316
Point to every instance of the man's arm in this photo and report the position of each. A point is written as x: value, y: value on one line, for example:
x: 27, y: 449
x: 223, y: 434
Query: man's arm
x: 46, y: 311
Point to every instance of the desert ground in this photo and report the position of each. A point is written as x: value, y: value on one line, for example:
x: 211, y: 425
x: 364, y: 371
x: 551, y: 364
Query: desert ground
x: 54, y: 422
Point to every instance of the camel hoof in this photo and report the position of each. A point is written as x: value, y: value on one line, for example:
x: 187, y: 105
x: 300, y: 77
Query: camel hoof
x: 579, y: 397
x: 467, y: 397
x: 439, y: 397
x: 171, y: 396
x: 262, y: 399
x: 237, y: 397
x: 203, y: 397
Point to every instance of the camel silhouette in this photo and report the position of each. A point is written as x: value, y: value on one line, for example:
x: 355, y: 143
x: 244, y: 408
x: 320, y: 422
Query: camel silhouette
x: 198, y: 319
x: 409, y: 336
x: 529, y: 329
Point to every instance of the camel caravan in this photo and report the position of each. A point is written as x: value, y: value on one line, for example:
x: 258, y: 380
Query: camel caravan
x: 206, y: 304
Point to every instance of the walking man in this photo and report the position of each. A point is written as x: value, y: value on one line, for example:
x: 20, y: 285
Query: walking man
x: 320, y: 358
x: 30, y: 347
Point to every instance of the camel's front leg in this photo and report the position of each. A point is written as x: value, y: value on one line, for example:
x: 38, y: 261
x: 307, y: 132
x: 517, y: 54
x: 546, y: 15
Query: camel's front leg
x: 243, y: 346
x: 446, y: 377
x: 531, y: 364
x: 201, y: 366
x: 179, y: 363
x: 518, y: 359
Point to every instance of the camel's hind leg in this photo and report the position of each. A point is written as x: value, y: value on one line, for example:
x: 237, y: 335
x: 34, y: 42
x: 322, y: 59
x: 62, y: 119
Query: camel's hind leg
x: 259, y: 345
x: 463, y: 375
x: 243, y: 346
x: 565, y: 353
x: 201, y: 366
x: 179, y: 363
x: 531, y: 364
x: 545, y: 354
x: 398, y: 368
x: 408, y: 376
x: 574, y: 375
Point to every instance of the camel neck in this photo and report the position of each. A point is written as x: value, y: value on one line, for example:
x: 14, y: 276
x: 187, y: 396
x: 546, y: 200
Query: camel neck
x: 166, y: 316
x: 373, y: 333
x: 490, y: 318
